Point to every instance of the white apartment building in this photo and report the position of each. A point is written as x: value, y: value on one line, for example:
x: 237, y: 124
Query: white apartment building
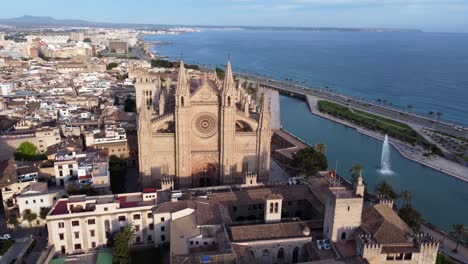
x: 81, y: 224
x: 35, y: 197
x: 66, y: 165
x: 7, y: 88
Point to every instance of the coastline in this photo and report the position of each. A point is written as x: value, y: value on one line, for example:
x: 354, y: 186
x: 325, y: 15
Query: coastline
x: 400, y: 146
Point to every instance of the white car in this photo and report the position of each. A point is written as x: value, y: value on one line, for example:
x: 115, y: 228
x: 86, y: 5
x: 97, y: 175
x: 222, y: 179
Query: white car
x: 5, y: 237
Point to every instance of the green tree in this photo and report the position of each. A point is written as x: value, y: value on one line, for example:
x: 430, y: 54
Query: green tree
x: 28, y: 151
x: 29, y: 216
x: 129, y: 105
x: 411, y: 217
x: 43, y: 213
x: 87, y: 40
x: 409, y: 107
x: 111, y: 66
x: 219, y: 73
x: 27, y: 148
x: 384, y: 188
x: 121, y: 244
x: 320, y: 147
x: 460, y: 234
x: 355, y: 171
x: 12, y: 220
x: 431, y: 113
x: 309, y: 161
x: 117, y: 168
x: 406, y: 196
x: 444, y: 259
x: 439, y: 114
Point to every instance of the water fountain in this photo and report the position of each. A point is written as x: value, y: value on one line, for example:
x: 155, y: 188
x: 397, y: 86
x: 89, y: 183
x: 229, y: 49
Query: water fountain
x: 385, y: 168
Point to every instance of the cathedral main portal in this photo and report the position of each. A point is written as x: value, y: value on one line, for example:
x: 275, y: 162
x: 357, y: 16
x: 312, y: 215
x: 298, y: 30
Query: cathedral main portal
x: 205, y: 174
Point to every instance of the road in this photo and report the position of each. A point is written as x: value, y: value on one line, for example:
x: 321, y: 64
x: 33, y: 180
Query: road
x: 386, y: 111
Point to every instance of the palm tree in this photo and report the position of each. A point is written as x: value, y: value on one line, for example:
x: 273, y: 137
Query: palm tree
x: 406, y: 196
x: 460, y: 234
x: 431, y: 114
x: 439, y: 114
x: 356, y: 171
x: 122, y: 242
x: 409, y: 107
x: 384, y: 188
x: 320, y: 147
x: 379, y: 100
x: 29, y: 216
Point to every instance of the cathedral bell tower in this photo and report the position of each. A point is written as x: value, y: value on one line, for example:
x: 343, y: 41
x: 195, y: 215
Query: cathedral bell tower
x: 182, y: 130
x: 228, y: 112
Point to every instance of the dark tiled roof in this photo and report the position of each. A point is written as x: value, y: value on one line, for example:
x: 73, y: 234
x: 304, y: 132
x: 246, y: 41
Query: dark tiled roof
x: 384, y: 224
x: 266, y: 231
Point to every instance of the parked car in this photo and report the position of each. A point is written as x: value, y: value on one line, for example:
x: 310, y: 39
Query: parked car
x: 5, y: 237
x: 320, y: 244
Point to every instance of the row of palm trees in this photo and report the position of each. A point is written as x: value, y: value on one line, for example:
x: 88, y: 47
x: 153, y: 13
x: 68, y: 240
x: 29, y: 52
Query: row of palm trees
x: 410, y: 107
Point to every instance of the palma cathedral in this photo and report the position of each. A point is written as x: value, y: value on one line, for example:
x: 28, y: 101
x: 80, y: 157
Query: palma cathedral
x: 198, y: 130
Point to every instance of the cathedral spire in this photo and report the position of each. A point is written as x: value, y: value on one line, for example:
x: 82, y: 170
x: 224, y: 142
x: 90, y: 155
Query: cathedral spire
x: 183, y: 89
x: 182, y: 84
x: 229, y: 77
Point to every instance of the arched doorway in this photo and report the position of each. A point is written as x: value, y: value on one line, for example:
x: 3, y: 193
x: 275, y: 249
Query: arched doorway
x: 204, y: 175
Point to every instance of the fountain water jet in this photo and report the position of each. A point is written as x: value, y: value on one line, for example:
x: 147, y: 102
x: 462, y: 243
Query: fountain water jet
x: 385, y: 167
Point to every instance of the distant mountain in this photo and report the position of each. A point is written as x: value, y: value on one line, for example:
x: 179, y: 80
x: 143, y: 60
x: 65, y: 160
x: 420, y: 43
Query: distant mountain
x: 42, y: 21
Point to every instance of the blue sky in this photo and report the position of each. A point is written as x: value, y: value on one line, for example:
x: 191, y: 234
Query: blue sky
x: 428, y: 15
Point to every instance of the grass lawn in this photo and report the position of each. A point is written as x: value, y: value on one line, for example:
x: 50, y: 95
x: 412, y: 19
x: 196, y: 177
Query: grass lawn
x: 5, y: 245
x: 374, y: 122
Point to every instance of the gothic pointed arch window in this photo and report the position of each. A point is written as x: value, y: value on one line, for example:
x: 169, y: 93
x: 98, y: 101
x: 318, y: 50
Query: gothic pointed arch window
x: 229, y: 101
x: 295, y: 255
x: 182, y: 101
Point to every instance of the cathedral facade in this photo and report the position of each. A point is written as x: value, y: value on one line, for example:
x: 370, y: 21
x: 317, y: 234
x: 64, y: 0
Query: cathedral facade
x: 198, y: 131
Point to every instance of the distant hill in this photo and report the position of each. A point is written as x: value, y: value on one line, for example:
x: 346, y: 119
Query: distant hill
x: 42, y: 21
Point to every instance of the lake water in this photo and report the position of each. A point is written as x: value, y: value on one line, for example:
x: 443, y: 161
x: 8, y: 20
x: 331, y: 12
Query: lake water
x: 429, y: 71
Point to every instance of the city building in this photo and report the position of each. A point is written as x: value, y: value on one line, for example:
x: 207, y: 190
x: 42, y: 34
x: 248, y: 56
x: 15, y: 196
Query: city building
x: 7, y: 88
x: 118, y: 46
x: 114, y: 139
x: 200, y: 131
